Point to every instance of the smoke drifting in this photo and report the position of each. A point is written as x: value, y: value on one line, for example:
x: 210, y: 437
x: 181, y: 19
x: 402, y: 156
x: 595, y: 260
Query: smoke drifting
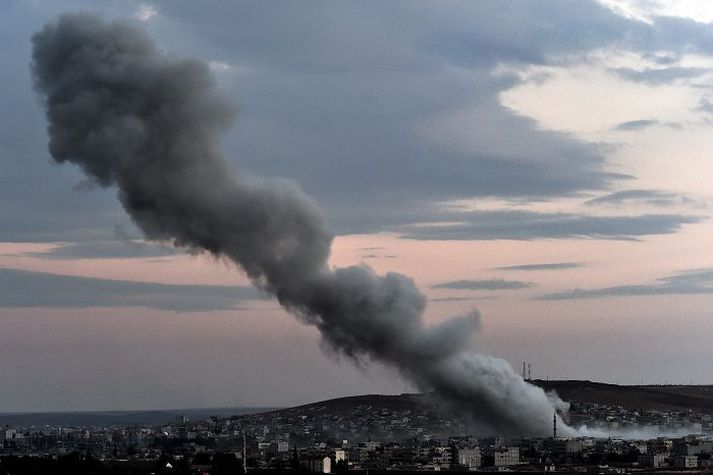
x: 147, y: 123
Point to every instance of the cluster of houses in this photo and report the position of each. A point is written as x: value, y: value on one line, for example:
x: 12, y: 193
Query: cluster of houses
x: 322, y: 439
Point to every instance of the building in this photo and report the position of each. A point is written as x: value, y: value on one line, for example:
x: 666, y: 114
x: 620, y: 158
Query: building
x: 442, y: 457
x: 9, y: 434
x: 661, y: 445
x: 653, y: 460
x: 316, y: 464
x: 469, y: 457
x: 506, y: 456
x: 686, y: 461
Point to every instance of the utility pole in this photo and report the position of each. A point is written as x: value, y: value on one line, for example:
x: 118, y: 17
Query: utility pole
x: 245, y: 454
x: 554, y: 425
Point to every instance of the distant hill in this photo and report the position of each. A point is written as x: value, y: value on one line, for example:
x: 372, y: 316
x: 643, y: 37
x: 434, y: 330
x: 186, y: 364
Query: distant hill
x: 118, y: 418
x: 344, y: 406
x: 659, y: 397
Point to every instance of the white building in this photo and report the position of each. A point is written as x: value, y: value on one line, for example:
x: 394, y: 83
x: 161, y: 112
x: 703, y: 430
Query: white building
x: 10, y: 434
x: 469, y: 458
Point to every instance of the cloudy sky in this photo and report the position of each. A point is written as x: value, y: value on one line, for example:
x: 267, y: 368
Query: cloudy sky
x: 547, y: 163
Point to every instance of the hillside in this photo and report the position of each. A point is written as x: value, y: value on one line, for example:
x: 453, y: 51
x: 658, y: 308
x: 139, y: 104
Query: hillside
x: 118, y: 418
x: 659, y: 397
x: 344, y: 406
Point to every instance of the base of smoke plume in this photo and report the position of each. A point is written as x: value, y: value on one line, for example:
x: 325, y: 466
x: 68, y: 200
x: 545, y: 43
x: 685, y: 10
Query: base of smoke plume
x: 634, y: 433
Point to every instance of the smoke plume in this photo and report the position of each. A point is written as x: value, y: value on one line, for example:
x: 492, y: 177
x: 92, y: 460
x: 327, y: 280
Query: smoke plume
x: 148, y: 123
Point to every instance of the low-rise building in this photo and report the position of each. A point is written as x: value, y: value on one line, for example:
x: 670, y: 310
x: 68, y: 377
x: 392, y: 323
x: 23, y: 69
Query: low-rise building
x: 686, y: 461
x: 506, y: 456
x: 316, y: 464
x: 653, y: 460
x: 469, y: 457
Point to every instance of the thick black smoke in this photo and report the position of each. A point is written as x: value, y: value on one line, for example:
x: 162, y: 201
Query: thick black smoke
x: 147, y: 123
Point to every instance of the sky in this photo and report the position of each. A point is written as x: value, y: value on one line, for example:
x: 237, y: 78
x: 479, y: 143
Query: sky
x: 546, y: 163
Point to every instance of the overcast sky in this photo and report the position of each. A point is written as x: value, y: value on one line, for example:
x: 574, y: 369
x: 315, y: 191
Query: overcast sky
x: 547, y: 163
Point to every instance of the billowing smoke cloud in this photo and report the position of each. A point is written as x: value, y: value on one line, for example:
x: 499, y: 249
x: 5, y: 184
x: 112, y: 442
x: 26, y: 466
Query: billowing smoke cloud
x: 147, y: 123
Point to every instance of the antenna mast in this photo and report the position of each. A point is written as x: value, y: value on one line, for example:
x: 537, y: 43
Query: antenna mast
x: 245, y: 455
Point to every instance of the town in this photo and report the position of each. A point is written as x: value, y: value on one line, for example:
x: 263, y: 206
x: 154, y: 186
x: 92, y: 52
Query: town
x: 373, y: 433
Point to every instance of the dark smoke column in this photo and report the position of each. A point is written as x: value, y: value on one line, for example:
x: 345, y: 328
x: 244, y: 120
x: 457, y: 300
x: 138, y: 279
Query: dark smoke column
x: 147, y: 124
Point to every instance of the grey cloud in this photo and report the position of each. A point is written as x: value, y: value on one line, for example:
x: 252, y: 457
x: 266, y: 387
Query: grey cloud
x: 705, y: 106
x: 424, y: 35
x: 342, y: 98
x: 370, y: 154
x: 526, y: 225
x: 662, y: 58
x: 682, y: 35
x: 636, y: 124
x: 22, y: 289
x: 542, y: 266
x: 378, y: 256
x: 361, y: 146
x: 688, y: 283
x: 460, y: 299
x: 659, y: 75
x: 648, y: 197
x: 488, y: 284
x: 481, y: 33
x: 95, y: 249
x: 39, y: 203
x: 493, y: 31
x: 374, y: 155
